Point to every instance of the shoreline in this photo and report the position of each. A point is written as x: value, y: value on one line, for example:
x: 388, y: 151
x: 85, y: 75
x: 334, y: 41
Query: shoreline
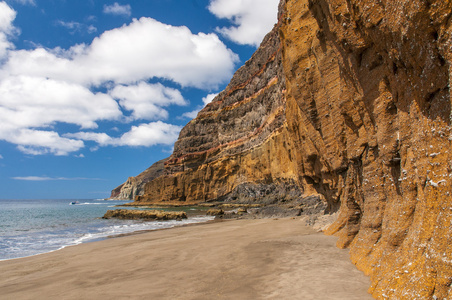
x: 238, y: 259
x: 119, y: 235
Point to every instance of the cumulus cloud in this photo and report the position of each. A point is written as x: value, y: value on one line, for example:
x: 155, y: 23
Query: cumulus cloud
x: 150, y: 134
x: 38, y: 142
x: 206, y: 100
x: 141, y: 50
x: 117, y: 9
x: 7, y: 16
x: 39, y: 102
x: 35, y: 102
x: 252, y: 19
x: 143, y: 135
x: 43, y: 88
x: 191, y: 114
x: 146, y: 101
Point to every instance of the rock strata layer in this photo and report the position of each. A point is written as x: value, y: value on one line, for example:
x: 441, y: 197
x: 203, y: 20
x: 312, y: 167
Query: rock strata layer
x: 238, y: 142
x: 346, y: 102
x: 129, y: 214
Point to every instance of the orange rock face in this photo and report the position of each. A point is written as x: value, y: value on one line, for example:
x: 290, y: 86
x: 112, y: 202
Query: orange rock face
x: 348, y: 100
x: 134, y: 186
x: 239, y: 140
x: 369, y: 113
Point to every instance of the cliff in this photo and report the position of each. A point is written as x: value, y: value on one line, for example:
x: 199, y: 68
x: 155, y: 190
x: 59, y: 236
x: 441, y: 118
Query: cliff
x: 369, y: 112
x: 348, y: 100
x: 134, y: 186
x: 237, y: 149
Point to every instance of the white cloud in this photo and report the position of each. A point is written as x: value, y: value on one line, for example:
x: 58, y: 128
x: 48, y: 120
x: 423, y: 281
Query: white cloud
x: 32, y: 102
x: 102, y: 139
x: 117, y: 9
x: 147, y: 135
x: 42, y: 88
x: 7, y: 16
x: 191, y: 114
x: 252, y: 19
x: 91, y: 29
x: 1, y: 157
x: 206, y: 100
x: 146, y: 100
x: 39, y: 102
x: 151, y: 134
x: 38, y: 142
x: 46, y: 178
x: 141, y: 50
x: 77, y: 27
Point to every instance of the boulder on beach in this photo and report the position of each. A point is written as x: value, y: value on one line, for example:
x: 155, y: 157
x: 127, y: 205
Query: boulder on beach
x: 215, y: 212
x: 128, y: 214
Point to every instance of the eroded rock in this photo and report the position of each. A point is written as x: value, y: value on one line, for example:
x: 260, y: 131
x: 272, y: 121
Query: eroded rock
x: 215, y: 212
x: 129, y: 214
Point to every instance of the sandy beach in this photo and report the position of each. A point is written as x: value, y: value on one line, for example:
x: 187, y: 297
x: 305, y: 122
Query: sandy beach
x: 239, y: 259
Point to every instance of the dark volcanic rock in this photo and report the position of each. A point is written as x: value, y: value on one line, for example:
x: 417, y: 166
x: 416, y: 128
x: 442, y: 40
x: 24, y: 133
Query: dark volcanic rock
x: 215, y: 212
x: 128, y: 214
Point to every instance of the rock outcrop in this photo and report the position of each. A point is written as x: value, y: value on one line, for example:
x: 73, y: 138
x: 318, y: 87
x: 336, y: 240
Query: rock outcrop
x: 347, y: 101
x: 129, y: 214
x: 134, y: 186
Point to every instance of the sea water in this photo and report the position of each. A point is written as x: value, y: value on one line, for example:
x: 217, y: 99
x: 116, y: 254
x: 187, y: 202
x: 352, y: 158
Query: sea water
x: 30, y: 227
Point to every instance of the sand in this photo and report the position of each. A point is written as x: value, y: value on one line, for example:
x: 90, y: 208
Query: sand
x: 239, y: 259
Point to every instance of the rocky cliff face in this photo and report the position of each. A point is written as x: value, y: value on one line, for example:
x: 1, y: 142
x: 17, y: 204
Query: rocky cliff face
x: 369, y: 114
x: 348, y: 100
x: 134, y: 186
x: 237, y: 149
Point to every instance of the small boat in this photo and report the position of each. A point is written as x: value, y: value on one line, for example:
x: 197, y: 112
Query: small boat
x: 74, y: 202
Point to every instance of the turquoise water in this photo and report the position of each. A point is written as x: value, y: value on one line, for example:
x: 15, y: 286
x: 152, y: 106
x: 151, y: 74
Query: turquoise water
x: 30, y: 227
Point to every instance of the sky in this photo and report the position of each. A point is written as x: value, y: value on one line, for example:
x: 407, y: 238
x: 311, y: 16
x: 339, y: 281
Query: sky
x: 95, y: 91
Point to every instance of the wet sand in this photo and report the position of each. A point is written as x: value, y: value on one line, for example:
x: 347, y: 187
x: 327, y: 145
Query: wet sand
x: 239, y: 259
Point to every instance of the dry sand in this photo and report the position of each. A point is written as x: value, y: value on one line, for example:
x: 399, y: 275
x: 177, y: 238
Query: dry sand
x: 240, y: 259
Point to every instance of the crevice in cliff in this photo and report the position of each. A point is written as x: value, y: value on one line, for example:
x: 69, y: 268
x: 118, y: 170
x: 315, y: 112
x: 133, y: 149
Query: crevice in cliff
x: 395, y: 165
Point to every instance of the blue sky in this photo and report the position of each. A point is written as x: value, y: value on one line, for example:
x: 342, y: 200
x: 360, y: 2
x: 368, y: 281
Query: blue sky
x: 94, y: 91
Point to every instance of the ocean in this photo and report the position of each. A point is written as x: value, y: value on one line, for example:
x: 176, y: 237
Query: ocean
x: 31, y: 227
